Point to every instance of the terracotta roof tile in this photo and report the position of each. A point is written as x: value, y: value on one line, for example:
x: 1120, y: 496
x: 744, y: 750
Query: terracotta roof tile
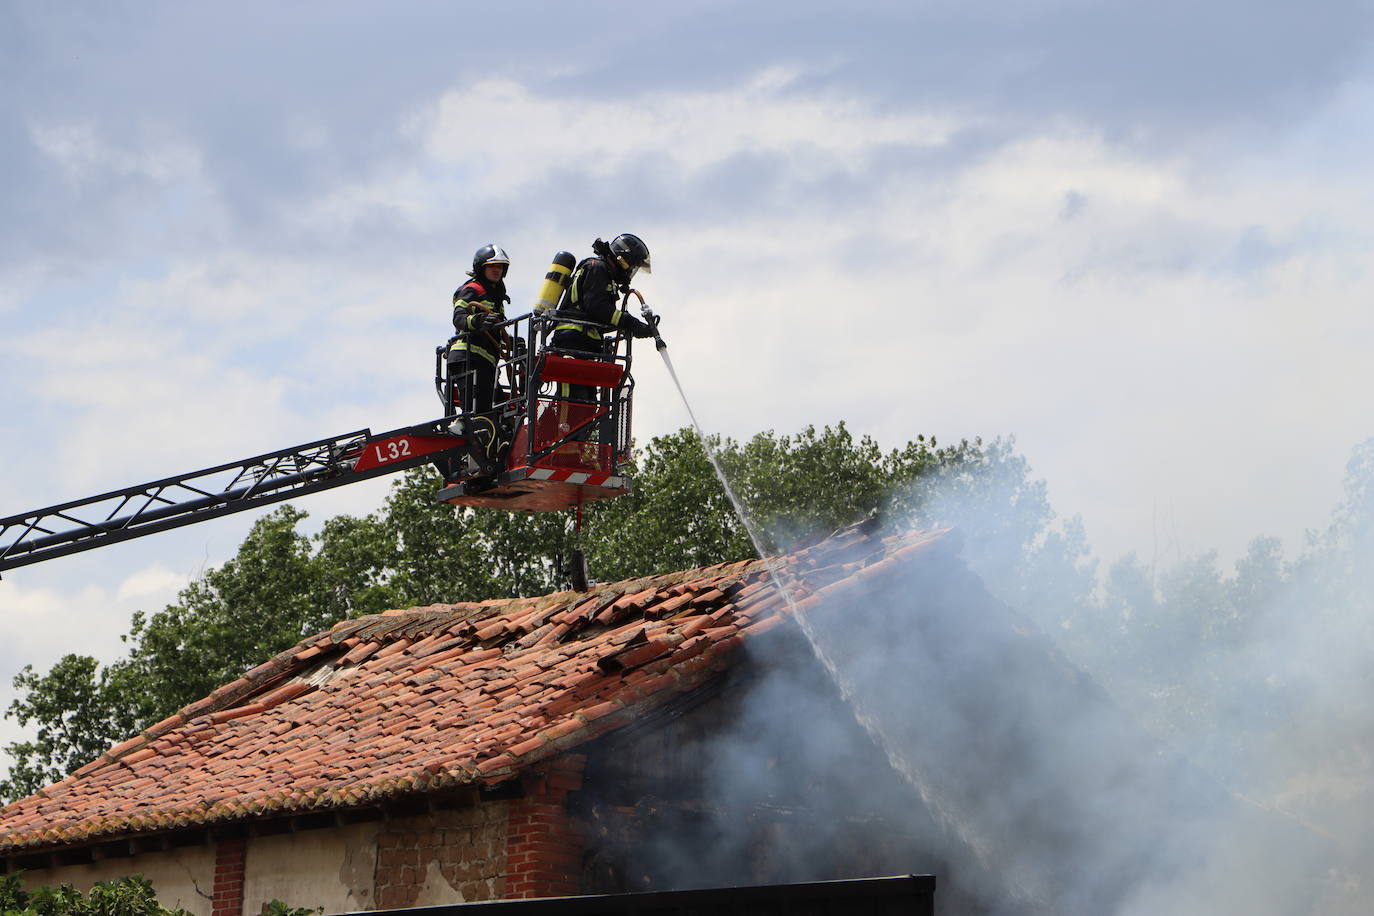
x: 440, y: 695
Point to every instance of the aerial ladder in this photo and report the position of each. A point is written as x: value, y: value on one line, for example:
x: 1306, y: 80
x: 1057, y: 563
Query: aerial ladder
x: 557, y: 437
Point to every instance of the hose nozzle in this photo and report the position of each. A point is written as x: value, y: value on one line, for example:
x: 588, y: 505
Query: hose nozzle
x: 648, y: 315
x: 652, y: 321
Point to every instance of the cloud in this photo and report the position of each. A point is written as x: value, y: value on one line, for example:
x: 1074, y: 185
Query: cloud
x: 691, y: 129
x: 556, y: 154
x: 84, y: 156
x: 1133, y: 236
x: 46, y: 620
x: 153, y: 581
x: 792, y: 238
x: 322, y: 121
x: 1150, y: 76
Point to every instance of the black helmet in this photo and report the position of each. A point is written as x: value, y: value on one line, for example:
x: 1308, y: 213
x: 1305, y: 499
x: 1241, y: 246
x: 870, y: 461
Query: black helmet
x: 489, y: 254
x: 631, y: 253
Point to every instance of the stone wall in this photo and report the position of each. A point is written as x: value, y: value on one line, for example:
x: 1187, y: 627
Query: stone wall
x: 451, y: 856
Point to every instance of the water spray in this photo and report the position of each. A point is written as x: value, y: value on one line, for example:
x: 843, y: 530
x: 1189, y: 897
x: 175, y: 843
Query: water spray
x: 741, y: 511
x: 772, y: 565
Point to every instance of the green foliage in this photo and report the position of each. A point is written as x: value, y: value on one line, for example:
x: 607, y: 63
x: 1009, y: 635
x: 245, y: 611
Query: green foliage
x: 75, y: 722
x: 55, y: 901
x: 678, y: 517
x: 132, y: 895
x: 448, y: 555
x: 283, y: 585
x: 793, y: 486
x: 13, y: 898
x: 129, y: 896
x: 270, y: 595
x: 276, y: 908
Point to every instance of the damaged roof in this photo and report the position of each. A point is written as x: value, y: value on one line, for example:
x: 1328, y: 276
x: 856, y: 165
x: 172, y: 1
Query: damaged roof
x: 436, y: 697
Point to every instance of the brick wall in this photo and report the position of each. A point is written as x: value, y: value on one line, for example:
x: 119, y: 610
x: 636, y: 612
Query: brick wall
x: 451, y: 856
x: 227, y: 893
x: 544, y: 847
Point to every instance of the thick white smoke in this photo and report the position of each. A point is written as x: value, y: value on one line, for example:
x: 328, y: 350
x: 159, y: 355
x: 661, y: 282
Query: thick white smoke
x: 1051, y: 741
x: 1248, y: 792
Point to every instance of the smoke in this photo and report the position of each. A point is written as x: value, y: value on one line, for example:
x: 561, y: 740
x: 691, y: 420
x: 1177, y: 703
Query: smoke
x: 1196, y: 746
x: 771, y: 780
x: 1049, y: 794
x: 1048, y: 740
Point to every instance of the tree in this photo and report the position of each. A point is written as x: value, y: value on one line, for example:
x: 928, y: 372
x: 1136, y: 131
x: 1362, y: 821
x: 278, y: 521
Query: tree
x: 678, y: 517
x: 74, y: 718
x: 447, y: 555
x: 792, y: 486
x: 266, y: 598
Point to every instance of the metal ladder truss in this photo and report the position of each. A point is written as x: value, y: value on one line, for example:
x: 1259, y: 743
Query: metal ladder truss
x: 119, y: 515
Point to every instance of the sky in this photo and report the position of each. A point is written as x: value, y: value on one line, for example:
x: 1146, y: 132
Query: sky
x: 1136, y: 237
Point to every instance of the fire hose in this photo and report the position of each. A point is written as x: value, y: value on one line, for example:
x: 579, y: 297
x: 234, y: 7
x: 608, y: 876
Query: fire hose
x: 649, y: 317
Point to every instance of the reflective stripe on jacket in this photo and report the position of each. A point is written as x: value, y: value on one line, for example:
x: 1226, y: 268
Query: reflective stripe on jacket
x: 591, y: 296
x: 470, y: 300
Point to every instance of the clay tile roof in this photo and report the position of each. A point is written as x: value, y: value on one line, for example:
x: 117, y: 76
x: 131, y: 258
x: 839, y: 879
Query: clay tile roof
x: 436, y: 697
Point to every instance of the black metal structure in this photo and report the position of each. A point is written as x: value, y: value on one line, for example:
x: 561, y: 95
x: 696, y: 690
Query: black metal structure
x: 906, y: 895
x: 119, y: 515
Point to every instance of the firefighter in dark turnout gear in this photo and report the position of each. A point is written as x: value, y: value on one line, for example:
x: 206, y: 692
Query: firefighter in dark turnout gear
x: 478, y: 313
x: 598, y: 283
x: 590, y: 310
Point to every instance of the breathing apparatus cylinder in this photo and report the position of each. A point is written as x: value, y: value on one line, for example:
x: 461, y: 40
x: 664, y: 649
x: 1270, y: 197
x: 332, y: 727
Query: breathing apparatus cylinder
x: 555, y: 281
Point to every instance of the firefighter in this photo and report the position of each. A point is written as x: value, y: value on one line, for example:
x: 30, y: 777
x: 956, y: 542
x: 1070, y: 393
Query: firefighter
x: 594, y: 292
x: 478, y: 313
x: 590, y: 305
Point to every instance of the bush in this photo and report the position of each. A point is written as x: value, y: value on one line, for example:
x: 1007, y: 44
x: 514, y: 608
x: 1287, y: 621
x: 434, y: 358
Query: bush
x: 129, y: 896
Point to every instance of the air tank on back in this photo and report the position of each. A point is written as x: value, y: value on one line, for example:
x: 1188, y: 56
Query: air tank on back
x: 555, y: 281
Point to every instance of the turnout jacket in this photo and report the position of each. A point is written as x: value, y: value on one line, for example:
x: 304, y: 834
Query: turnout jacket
x: 471, y: 300
x: 591, y: 296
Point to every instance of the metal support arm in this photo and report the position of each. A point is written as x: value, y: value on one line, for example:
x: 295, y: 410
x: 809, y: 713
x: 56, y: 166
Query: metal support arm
x: 132, y: 512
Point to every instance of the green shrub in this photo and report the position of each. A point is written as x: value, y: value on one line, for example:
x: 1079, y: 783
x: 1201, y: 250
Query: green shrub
x: 128, y: 896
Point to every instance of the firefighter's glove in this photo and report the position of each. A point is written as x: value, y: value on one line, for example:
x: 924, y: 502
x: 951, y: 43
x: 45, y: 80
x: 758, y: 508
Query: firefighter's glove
x: 487, y: 321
